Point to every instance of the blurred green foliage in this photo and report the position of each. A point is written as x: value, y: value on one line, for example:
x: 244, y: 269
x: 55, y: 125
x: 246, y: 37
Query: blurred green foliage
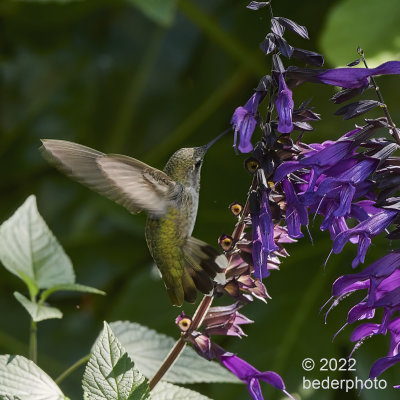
x: 102, y: 74
x: 367, y: 23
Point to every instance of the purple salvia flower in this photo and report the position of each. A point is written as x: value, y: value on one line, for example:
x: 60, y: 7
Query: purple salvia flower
x: 363, y: 331
x: 363, y: 232
x: 244, y: 121
x: 359, y: 312
x: 393, y: 356
x: 284, y: 106
x: 342, y: 187
x: 352, y: 78
x: 375, y: 273
x: 382, y: 365
x: 388, y: 297
x: 383, y: 290
x: 296, y: 213
x: 260, y: 259
x: 252, y: 376
x: 263, y: 235
x: 318, y: 161
x: 336, y: 226
x: 363, y: 209
x: 267, y: 225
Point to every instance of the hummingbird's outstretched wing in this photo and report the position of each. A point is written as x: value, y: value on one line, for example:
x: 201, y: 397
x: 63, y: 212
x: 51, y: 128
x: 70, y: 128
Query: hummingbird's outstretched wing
x: 129, y: 182
x: 140, y: 185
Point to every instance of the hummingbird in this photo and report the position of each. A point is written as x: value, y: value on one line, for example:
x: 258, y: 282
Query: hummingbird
x: 170, y: 198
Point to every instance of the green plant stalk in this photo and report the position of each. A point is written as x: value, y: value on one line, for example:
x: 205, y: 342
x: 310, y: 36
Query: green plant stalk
x: 71, y: 369
x: 33, y: 342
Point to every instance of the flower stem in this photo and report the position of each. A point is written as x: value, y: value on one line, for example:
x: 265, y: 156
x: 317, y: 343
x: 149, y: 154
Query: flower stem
x: 393, y: 130
x: 33, y: 342
x: 168, y: 362
x: 72, y: 368
x: 180, y: 343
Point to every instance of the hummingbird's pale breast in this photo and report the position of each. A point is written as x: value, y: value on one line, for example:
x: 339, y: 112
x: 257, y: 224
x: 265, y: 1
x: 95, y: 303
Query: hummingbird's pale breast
x: 167, y: 235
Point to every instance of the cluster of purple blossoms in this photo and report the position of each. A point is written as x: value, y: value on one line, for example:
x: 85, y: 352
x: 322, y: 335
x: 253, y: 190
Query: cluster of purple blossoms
x: 381, y: 281
x: 226, y: 320
x: 242, y: 286
x: 349, y: 182
x: 339, y: 180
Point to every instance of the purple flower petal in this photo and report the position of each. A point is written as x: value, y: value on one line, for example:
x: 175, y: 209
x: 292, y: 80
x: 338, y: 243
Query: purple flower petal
x: 371, y: 227
x: 364, y: 330
x: 296, y: 213
x: 382, y: 365
x: 244, y: 122
x: 318, y: 161
x: 359, y: 312
x: 390, y: 299
x: 250, y: 375
x: 352, y: 78
x: 347, y: 284
x: 284, y: 106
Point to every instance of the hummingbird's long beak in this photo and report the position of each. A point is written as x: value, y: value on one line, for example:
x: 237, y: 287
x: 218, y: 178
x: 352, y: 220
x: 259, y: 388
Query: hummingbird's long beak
x: 208, y: 145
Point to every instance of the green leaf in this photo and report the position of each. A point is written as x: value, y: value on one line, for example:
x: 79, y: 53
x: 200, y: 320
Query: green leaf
x: 365, y: 23
x: 38, y: 312
x: 149, y: 348
x: 167, y: 391
x: 72, y: 287
x: 161, y: 12
x: 110, y: 373
x: 23, y: 379
x: 29, y: 250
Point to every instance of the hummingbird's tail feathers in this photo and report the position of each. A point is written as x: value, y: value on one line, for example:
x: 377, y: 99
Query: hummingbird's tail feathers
x: 189, y: 286
x: 204, y: 264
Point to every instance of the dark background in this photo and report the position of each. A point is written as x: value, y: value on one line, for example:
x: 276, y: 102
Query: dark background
x: 103, y: 74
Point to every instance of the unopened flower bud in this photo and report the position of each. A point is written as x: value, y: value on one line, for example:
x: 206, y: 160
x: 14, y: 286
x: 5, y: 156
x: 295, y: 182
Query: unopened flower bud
x: 184, y: 322
x: 236, y: 208
x: 251, y: 165
x: 226, y: 242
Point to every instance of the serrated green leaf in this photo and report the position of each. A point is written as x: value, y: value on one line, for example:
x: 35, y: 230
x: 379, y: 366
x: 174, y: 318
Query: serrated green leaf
x: 23, y: 379
x: 110, y: 373
x: 168, y: 391
x: 29, y: 250
x: 72, y: 287
x: 378, y: 35
x: 38, y: 312
x: 148, y: 349
x: 160, y: 11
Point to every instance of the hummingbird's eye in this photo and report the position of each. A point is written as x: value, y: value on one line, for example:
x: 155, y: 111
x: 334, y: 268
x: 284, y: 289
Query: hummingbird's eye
x: 198, y: 164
